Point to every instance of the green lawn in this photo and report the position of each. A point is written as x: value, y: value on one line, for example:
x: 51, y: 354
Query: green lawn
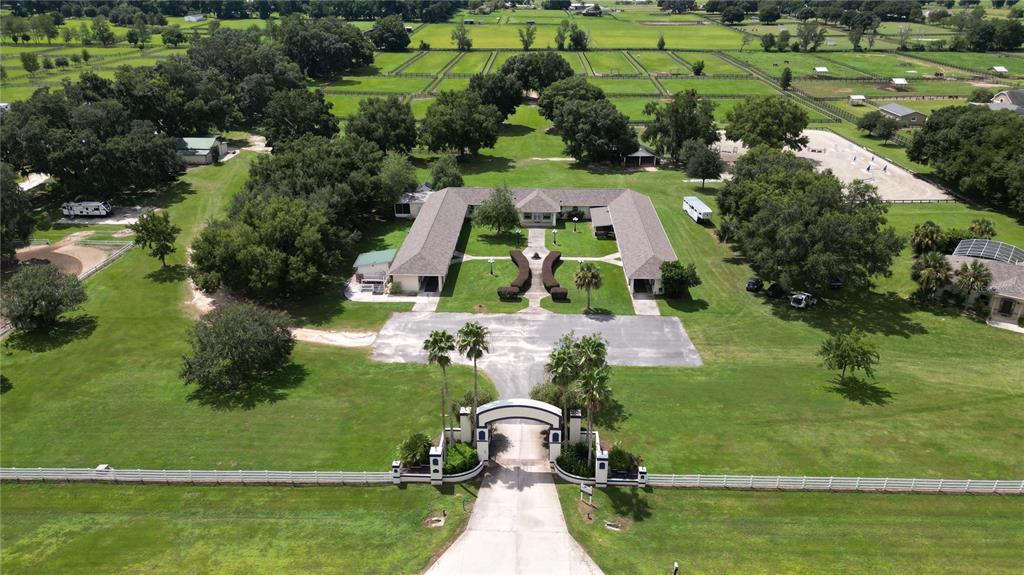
x: 579, y: 243
x: 881, y: 89
x: 432, y: 63
x: 633, y: 106
x: 483, y: 241
x: 471, y: 63
x: 125, y: 405
x: 980, y: 61
x: 888, y: 65
x: 761, y: 403
x: 610, y: 63
x: 625, y: 86
x: 452, y: 85
x: 655, y: 62
x: 378, y: 84
x: 387, y: 62
x: 82, y: 528
x: 717, y: 87
x: 470, y: 287
x: 747, y: 532
x: 343, y: 105
x: 612, y: 299
x: 713, y: 65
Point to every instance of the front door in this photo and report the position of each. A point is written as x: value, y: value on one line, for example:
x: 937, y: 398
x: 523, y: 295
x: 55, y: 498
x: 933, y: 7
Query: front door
x: 1006, y: 306
x: 642, y: 286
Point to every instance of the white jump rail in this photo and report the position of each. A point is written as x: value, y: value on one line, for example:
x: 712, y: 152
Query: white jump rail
x: 852, y: 484
x: 109, y: 260
x: 169, y: 476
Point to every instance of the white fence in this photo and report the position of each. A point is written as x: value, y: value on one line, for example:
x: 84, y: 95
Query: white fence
x: 57, y: 474
x: 109, y: 260
x: 856, y: 484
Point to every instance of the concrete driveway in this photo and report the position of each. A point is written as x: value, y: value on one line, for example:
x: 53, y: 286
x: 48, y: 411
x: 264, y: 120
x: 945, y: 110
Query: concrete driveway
x: 520, y: 343
x: 517, y: 526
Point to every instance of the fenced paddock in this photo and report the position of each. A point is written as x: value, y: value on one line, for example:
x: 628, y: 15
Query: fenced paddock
x: 851, y: 484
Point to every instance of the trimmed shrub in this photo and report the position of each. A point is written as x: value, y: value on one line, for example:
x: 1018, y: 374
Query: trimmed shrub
x: 574, y: 460
x: 559, y: 293
x: 415, y: 450
x: 622, y: 461
x: 461, y: 458
x: 506, y: 293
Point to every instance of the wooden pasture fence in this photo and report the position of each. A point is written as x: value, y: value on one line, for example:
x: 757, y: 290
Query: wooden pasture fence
x: 172, y: 476
x: 851, y: 484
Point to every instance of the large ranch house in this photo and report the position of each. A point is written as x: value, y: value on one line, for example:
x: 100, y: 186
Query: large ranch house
x: 421, y: 264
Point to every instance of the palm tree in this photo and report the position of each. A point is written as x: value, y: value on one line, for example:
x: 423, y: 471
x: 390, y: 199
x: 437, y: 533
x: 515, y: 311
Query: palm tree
x: 591, y: 352
x: 438, y: 347
x: 588, y: 277
x: 472, y: 343
x: 983, y: 228
x: 592, y: 388
x: 562, y: 368
x: 973, y: 278
x: 931, y: 271
x: 927, y: 237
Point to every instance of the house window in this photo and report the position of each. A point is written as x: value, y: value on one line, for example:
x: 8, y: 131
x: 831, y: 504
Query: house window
x: 1006, y: 306
x: 402, y: 209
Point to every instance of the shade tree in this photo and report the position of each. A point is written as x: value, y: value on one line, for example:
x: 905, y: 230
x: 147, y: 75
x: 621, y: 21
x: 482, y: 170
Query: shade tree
x: 686, y: 117
x: 537, y: 70
x: 774, y: 121
x: 460, y: 122
x: 155, y: 232
x: 574, y: 88
x: 498, y: 211
x: 387, y: 122
x: 444, y: 172
x: 36, y: 296
x: 595, y: 131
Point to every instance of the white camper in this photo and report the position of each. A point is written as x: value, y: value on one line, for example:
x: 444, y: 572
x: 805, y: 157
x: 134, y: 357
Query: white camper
x: 73, y: 209
x: 696, y: 209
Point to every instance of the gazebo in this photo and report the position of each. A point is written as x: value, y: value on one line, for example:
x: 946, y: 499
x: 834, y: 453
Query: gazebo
x: 641, y: 157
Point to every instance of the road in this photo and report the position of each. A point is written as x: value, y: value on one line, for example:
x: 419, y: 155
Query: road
x: 520, y: 343
x: 517, y: 525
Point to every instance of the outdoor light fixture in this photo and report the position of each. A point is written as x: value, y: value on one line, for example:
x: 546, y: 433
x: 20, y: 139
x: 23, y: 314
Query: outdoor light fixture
x: 574, y: 220
x: 554, y: 236
x: 491, y: 261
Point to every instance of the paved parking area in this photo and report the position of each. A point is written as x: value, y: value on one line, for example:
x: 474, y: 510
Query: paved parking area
x: 520, y: 343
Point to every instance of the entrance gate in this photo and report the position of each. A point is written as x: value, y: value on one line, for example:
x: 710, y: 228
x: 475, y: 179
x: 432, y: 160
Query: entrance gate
x: 519, y: 409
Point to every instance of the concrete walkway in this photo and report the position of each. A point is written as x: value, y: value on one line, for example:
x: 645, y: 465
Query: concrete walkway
x: 521, y: 343
x: 644, y: 304
x: 517, y: 526
x: 535, y: 246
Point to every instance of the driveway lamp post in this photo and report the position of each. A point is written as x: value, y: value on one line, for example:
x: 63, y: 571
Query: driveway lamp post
x: 491, y: 261
x: 554, y: 236
x: 574, y: 220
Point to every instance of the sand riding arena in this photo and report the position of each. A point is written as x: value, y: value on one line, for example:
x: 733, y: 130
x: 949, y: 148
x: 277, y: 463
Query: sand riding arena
x: 75, y: 254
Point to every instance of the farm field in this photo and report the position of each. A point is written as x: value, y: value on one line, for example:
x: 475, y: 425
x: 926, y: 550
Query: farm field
x: 713, y: 65
x: 890, y: 65
x: 342, y: 105
x: 452, y: 84
x: 659, y: 63
x: 802, y: 65
x: 378, y: 84
x: 485, y: 36
x: 471, y: 63
x: 625, y: 86
x: 881, y: 89
x: 744, y: 532
x: 980, y: 62
x: 432, y: 63
x: 160, y: 529
x: 610, y: 63
x: 719, y: 87
x: 385, y: 62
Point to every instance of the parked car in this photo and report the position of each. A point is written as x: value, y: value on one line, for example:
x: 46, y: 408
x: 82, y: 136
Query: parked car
x: 755, y: 284
x: 775, y: 290
x: 802, y: 300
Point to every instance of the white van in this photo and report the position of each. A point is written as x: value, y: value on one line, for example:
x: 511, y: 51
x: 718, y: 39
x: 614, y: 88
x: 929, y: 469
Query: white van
x: 696, y: 209
x: 98, y: 209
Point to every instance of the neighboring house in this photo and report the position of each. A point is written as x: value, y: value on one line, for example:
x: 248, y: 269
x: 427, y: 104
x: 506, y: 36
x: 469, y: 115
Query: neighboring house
x: 422, y: 262
x: 1015, y: 97
x: 408, y: 206
x: 1006, y: 262
x: 996, y: 106
x: 905, y: 115
x: 201, y: 150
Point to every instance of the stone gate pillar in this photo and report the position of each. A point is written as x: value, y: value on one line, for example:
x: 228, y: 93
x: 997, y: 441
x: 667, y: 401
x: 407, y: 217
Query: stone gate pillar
x: 575, y: 423
x: 466, y: 430
x: 483, y: 443
x: 554, y: 443
x: 437, y: 464
x: 601, y: 467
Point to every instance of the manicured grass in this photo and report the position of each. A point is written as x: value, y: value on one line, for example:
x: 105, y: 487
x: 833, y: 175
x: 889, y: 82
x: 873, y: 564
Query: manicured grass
x: 471, y: 63
x: 432, y: 63
x: 484, y: 36
x: 610, y: 63
x: 419, y: 107
x: 627, y: 86
x: 125, y: 405
x: 611, y: 299
x: 713, y: 65
x: 470, y: 287
x: 926, y: 106
x: 882, y: 89
x: 579, y: 243
x: 979, y: 61
x: 388, y: 61
x: 483, y: 241
x: 802, y: 65
x: 747, y: 532
x: 452, y: 85
x: 761, y: 403
x: 343, y: 106
x: 381, y: 84
x: 56, y: 232
x: 889, y: 65
x: 633, y: 107
x: 655, y: 62
x: 170, y: 529
x: 737, y: 88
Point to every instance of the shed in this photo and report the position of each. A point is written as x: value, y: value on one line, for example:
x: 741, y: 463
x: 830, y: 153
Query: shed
x: 372, y: 267
x: 906, y: 116
x: 641, y: 157
x: 1000, y: 69
x: 195, y: 17
x: 201, y: 150
x: 821, y: 69
x: 899, y: 82
x: 858, y: 100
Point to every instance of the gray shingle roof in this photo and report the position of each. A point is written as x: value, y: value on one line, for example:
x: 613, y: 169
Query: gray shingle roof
x: 1015, y: 96
x: 1007, y: 279
x: 898, y: 110
x: 431, y: 242
x: 599, y: 217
